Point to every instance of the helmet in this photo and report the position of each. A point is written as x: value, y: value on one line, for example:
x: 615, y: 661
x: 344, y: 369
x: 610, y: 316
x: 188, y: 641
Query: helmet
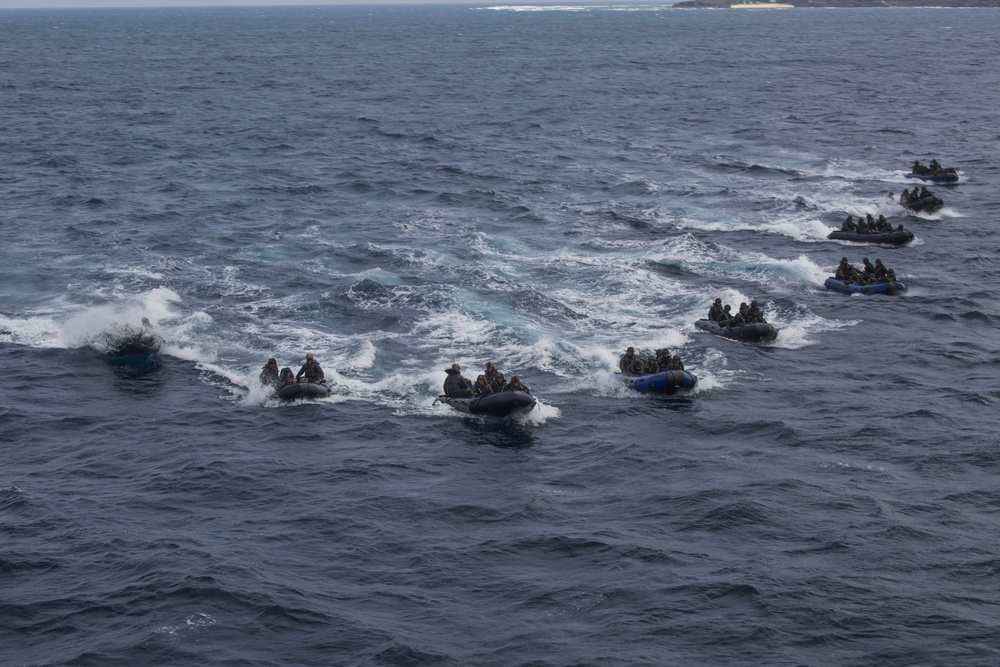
x: 272, y: 362
x: 456, y: 367
x: 631, y: 350
x: 309, y: 355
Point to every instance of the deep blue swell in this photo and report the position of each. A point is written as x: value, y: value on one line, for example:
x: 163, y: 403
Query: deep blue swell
x: 396, y: 189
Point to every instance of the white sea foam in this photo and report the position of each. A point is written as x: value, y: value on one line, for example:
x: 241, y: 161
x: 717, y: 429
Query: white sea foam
x: 73, y: 326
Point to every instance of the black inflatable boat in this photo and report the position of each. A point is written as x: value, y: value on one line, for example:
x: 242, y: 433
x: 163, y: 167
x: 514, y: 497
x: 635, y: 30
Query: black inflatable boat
x: 291, y: 392
x: 132, y: 344
x: 493, y: 405
x: 895, y: 237
x: 923, y: 205
x: 755, y: 332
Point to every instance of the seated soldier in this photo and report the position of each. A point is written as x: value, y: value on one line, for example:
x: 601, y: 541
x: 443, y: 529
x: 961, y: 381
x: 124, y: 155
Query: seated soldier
x: 627, y: 360
x: 311, y: 370
x: 651, y: 366
x: 517, y: 385
x: 881, y: 272
x: 499, y: 383
x: 482, y: 387
x: 848, y: 225
x: 269, y: 374
x: 676, y: 364
x: 456, y: 386
x: 663, y: 360
x: 715, y: 312
x: 286, y: 377
x: 844, y: 270
x: 740, y: 318
x: 869, y: 270
x: 490, y: 372
x: 754, y: 312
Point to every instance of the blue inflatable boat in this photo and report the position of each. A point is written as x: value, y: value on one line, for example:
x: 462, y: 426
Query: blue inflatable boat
x: 853, y: 288
x: 937, y: 177
x: 664, y: 382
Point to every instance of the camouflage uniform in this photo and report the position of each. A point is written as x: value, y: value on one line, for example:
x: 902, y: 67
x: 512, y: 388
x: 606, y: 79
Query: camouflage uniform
x: 517, y: 385
x: 311, y: 370
x: 627, y: 361
x: 456, y: 386
x: 269, y: 374
x: 482, y: 387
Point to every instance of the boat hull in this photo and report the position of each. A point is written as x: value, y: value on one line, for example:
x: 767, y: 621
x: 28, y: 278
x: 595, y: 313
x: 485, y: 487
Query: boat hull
x: 664, y: 382
x: 853, y: 288
x: 885, y: 238
x: 494, y: 405
x: 755, y: 332
x: 924, y: 204
x: 945, y: 177
x: 141, y: 344
x: 311, y: 390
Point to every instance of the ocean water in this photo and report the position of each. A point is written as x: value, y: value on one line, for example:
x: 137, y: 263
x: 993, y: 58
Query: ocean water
x: 396, y: 189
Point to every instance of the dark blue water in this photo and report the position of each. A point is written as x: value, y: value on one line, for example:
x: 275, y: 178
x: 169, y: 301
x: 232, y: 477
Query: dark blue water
x: 395, y: 189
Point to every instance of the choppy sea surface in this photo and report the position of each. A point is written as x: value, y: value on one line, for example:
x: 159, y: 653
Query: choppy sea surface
x: 396, y: 189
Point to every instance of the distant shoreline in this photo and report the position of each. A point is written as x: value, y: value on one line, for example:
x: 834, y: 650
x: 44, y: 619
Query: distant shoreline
x: 792, y: 4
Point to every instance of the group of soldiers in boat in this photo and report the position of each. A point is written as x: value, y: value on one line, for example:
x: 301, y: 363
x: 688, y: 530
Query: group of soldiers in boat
x: 747, y: 314
x: 491, y: 381
x: 632, y: 364
x: 906, y: 196
x: 311, y: 371
x: 868, y: 225
x: 931, y: 169
x: 872, y: 274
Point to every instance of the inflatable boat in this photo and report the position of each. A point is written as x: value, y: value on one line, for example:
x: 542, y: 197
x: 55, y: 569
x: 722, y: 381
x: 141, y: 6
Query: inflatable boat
x: 664, y: 382
x: 139, y: 343
x: 923, y: 205
x: 755, y: 332
x: 853, y: 288
x: 896, y: 237
x: 946, y: 176
x: 493, y: 405
x: 291, y: 392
